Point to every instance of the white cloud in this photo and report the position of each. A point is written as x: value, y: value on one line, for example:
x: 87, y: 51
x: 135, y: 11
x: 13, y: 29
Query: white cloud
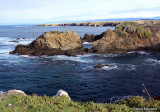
x: 43, y: 11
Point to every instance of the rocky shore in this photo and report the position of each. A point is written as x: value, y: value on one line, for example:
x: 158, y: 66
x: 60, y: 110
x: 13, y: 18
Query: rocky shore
x: 128, y: 36
x: 17, y: 100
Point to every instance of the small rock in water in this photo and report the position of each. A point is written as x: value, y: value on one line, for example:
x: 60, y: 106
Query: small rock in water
x: 99, y: 66
x: 14, y: 41
x: 24, y: 38
x: 62, y: 93
x: 18, y: 38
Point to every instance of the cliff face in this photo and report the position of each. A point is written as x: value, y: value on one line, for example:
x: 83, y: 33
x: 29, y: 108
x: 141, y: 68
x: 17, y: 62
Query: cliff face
x: 52, y: 43
x: 129, y: 38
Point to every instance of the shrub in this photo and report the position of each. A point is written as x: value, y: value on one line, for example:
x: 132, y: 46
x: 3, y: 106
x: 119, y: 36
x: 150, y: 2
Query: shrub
x: 146, y: 34
x: 119, y: 30
x: 138, y: 28
x: 59, y: 32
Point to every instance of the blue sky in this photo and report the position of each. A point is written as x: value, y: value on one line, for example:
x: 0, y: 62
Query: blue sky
x: 56, y: 11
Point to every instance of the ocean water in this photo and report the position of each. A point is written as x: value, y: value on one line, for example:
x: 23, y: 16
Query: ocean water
x: 45, y: 75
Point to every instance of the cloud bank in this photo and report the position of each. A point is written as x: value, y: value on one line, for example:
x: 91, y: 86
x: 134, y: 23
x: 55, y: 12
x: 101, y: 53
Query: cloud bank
x: 55, y: 11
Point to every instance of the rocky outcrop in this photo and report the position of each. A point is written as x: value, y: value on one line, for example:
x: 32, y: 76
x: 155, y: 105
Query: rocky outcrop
x: 62, y: 93
x: 88, y: 38
x: 91, y: 38
x: 12, y: 92
x: 53, y: 43
x: 129, y: 38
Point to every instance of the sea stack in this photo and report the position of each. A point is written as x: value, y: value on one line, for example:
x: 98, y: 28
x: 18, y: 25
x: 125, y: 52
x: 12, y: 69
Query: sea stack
x: 52, y: 43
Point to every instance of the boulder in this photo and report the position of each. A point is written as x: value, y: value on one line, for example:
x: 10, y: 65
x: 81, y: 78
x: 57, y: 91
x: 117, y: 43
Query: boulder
x: 52, y: 43
x: 62, y: 93
x: 12, y: 92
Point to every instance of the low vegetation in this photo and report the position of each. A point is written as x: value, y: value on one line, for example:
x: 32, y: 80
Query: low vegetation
x: 59, y: 32
x: 119, y: 30
x: 129, y: 23
x: 50, y: 104
x: 146, y: 34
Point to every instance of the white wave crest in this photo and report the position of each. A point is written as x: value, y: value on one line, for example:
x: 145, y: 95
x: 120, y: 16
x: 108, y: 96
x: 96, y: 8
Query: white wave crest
x: 87, y: 42
x: 110, y: 67
x: 138, y: 52
x: 153, y: 61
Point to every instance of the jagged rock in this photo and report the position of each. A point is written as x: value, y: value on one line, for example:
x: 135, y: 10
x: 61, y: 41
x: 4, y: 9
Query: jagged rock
x: 89, y: 38
x: 62, y: 93
x: 126, y: 39
x: 12, y: 92
x: 52, y: 43
x: 99, y: 66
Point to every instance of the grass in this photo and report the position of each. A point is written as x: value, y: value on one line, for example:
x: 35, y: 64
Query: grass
x: 51, y: 104
x: 129, y: 23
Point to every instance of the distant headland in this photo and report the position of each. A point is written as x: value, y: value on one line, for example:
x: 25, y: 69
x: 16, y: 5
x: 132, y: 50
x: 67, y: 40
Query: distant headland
x: 101, y: 23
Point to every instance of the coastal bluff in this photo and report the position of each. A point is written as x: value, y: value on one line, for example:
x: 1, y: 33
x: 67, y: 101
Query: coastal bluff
x: 52, y: 43
x: 102, y: 23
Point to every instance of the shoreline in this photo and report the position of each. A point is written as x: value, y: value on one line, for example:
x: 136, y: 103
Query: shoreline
x: 17, y: 100
x: 101, y: 23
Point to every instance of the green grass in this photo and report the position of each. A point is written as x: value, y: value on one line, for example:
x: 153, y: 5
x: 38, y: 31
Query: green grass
x: 59, y: 104
x: 129, y: 23
x: 59, y: 32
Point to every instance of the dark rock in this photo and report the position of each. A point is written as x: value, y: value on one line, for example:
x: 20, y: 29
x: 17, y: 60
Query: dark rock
x: 14, y: 41
x: 156, y: 98
x: 18, y: 38
x: 89, y: 38
x: 99, y: 66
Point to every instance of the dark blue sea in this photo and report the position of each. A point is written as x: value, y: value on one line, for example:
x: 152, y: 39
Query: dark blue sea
x: 45, y: 75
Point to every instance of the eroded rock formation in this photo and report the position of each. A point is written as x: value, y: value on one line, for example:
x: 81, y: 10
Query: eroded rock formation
x: 129, y: 38
x: 53, y: 43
